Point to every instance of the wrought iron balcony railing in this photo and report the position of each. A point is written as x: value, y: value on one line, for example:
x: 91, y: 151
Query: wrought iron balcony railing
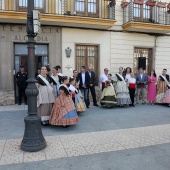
x: 85, y: 8
x: 147, y: 14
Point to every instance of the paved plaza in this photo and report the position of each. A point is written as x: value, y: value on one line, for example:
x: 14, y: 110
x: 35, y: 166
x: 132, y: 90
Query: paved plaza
x: 104, y: 139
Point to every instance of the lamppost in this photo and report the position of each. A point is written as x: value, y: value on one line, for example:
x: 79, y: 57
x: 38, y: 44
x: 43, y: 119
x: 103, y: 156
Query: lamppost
x: 33, y: 139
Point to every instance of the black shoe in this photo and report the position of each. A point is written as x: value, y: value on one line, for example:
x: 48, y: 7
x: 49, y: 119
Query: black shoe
x: 130, y: 104
x: 19, y: 103
x: 87, y: 106
x: 96, y: 105
x: 133, y: 105
x: 144, y: 103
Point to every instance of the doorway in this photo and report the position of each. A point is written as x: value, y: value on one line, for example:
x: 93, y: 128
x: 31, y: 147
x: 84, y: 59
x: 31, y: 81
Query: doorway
x: 21, y: 58
x: 143, y: 59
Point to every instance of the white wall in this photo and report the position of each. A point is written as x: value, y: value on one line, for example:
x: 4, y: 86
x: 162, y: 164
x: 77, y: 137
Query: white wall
x: 122, y: 48
x: 162, y: 54
x: 71, y: 37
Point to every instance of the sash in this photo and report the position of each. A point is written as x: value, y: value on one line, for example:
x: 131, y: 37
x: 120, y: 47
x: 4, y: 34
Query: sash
x: 121, y: 77
x: 46, y: 82
x: 168, y: 84
x: 54, y: 78
x: 64, y: 86
x: 111, y: 85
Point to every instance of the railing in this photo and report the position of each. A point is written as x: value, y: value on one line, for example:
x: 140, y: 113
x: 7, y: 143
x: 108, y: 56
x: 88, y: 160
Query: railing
x: 145, y: 13
x: 84, y: 8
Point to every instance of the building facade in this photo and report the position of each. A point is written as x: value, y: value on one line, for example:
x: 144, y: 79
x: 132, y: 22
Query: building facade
x: 99, y: 34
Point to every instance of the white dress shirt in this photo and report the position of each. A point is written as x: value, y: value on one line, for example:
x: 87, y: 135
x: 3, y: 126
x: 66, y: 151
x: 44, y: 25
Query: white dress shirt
x: 103, y: 78
x: 141, y: 75
x: 131, y: 80
x: 83, y: 78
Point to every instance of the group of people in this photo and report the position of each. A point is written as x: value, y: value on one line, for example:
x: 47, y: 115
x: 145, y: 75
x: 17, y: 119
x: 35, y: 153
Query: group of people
x: 121, y: 89
x: 61, y: 98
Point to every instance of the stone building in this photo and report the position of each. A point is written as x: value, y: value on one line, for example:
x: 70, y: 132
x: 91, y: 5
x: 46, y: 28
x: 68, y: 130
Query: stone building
x: 100, y: 33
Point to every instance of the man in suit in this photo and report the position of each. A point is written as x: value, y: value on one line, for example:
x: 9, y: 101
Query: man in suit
x: 92, y: 86
x: 141, y: 80
x: 84, y: 84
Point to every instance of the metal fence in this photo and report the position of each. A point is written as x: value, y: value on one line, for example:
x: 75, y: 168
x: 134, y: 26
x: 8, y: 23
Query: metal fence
x: 84, y: 8
x: 147, y: 14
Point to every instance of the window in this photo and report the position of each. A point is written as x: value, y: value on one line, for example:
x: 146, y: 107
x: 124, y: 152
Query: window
x: 142, y: 12
x: 143, y: 58
x: 39, y: 5
x: 87, y: 7
x: 87, y: 55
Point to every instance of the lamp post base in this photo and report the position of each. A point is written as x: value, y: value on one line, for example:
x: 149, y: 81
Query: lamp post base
x: 33, y: 139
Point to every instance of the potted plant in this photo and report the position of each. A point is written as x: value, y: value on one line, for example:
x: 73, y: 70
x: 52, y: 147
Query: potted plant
x: 161, y: 4
x: 151, y: 3
x: 168, y: 6
x: 124, y: 4
x: 140, y: 2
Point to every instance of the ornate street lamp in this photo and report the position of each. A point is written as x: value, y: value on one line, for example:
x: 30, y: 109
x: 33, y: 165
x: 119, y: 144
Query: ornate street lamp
x: 33, y: 139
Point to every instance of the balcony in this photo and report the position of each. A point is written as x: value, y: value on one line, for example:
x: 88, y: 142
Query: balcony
x: 145, y: 18
x: 95, y: 14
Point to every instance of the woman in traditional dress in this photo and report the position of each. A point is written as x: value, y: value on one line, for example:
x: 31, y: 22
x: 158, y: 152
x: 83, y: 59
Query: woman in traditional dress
x: 64, y: 112
x: 122, y: 91
x: 56, y: 81
x: 108, y: 96
x: 45, y: 98
x: 151, y: 96
x: 163, y: 81
x: 79, y: 103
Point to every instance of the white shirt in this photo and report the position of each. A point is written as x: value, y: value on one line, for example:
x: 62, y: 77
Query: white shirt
x: 127, y: 77
x: 83, y: 78
x: 131, y: 80
x: 141, y: 75
x: 89, y: 73
x: 103, y: 78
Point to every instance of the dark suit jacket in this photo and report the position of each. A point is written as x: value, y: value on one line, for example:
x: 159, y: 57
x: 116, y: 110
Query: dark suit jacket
x: 143, y: 80
x: 92, y: 78
x: 87, y: 80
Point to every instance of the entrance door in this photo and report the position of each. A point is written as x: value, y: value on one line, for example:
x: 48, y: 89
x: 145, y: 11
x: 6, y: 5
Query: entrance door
x: 87, y: 55
x: 21, y: 58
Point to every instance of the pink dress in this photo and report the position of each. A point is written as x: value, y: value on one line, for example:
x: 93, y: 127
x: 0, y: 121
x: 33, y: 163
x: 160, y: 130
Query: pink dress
x: 151, y: 88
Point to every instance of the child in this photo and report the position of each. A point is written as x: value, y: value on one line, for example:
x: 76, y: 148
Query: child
x: 79, y: 103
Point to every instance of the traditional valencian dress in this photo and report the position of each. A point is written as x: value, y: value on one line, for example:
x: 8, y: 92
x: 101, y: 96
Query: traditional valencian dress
x: 79, y: 103
x: 162, y: 92
x: 122, y: 92
x: 56, y: 84
x: 45, y: 98
x: 166, y: 97
x: 108, y: 96
x: 63, y: 112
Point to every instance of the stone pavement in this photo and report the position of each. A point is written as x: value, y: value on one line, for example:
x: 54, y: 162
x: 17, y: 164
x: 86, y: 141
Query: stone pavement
x: 119, y: 138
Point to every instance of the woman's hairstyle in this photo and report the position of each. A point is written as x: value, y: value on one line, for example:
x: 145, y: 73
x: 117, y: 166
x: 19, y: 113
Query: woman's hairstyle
x: 127, y: 69
x: 43, y: 66
x: 64, y: 89
x: 110, y: 74
x: 71, y: 79
x: 154, y: 74
x: 48, y: 68
x: 64, y: 78
x: 57, y: 67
